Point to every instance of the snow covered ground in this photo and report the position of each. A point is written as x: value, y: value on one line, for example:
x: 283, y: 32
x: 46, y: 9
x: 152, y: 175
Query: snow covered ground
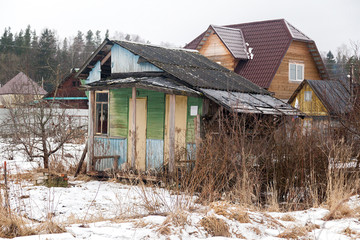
x: 111, y: 210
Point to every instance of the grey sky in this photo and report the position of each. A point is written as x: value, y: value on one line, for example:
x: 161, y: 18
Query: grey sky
x: 329, y: 22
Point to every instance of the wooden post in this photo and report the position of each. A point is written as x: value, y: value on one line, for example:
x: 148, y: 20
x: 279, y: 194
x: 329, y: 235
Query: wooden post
x: 172, y: 133
x: 133, y: 129
x: 83, y: 155
x: 91, y: 130
x: 197, y: 135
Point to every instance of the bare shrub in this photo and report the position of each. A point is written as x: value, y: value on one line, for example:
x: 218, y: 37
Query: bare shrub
x: 215, y: 226
x: 294, y: 232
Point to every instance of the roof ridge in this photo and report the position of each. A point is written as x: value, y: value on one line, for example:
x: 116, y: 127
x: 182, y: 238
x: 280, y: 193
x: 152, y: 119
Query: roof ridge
x: 255, y: 22
x: 154, y: 45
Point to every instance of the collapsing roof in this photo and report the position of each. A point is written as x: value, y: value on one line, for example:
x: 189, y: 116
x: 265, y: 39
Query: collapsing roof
x: 268, y: 41
x: 187, y: 72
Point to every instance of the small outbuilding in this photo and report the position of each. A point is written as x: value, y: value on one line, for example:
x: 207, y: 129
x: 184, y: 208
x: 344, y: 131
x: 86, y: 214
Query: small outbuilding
x: 67, y: 93
x: 20, y: 89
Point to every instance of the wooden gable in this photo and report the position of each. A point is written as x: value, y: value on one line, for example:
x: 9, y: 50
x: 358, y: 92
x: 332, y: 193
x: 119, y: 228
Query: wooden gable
x: 215, y: 50
x: 314, y: 107
x: 298, y: 52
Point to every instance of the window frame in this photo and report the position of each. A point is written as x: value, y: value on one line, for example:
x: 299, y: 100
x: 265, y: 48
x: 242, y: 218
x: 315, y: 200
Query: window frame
x: 296, y: 71
x: 307, y: 96
x: 101, y: 119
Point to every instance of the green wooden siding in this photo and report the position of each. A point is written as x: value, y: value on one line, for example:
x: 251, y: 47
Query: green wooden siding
x: 119, y: 112
x: 155, y: 113
x: 190, y: 128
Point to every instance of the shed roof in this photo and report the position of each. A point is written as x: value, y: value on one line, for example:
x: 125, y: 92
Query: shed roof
x: 22, y: 84
x: 333, y: 95
x: 189, y: 73
x: 188, y: 67
x: 269, y: 41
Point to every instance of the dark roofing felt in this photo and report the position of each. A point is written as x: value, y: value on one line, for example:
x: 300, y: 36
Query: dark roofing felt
x: 191, y: 68
x: 22, y: 84
x: 270, y: 41
x: 333, y: 95
x: 233, y: 40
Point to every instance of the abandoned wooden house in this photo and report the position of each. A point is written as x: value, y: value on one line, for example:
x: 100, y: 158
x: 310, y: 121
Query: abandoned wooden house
x: 147, y: 103
x: 20, y: 89
x: 67, y: 94
x: 322, y: 101
x: 272, y: 54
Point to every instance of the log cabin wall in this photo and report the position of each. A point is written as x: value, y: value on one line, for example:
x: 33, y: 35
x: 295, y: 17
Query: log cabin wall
x: 298, y: 52
x: 215, y: 50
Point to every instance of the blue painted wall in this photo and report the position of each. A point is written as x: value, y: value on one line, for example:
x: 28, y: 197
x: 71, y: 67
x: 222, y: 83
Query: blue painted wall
x: 95, y: 74
x: 109, y: 146
x: 122, y: 60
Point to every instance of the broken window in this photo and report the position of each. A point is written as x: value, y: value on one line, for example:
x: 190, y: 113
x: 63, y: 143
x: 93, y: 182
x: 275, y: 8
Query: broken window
x: 101, y: 111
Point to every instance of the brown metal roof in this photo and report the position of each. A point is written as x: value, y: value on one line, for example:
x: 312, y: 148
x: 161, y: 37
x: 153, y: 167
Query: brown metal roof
x: 22, y: 84
x: 270, y: 41
x: 234, y: 40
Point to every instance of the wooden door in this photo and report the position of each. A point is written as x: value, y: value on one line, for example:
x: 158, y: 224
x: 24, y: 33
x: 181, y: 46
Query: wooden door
x: 141, y: 114
x: 180, y: 127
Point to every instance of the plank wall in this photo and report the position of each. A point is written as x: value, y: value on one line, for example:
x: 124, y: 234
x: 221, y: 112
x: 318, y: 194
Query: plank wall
x: 298, y: 52
x: 310, y: 108
x: 215, y: 50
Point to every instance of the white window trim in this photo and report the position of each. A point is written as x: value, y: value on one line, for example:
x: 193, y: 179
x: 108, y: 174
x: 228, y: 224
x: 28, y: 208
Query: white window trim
x: 307, y: 96
x: 108, y: 116
x: 296, y: 77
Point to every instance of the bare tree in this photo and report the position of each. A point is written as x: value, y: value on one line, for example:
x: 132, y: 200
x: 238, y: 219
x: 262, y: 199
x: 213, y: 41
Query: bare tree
x: 39, y: 128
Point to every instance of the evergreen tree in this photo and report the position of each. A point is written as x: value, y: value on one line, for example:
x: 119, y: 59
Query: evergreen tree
x: 77, y: 50
x: 330, y: 65
x: 46, y: 60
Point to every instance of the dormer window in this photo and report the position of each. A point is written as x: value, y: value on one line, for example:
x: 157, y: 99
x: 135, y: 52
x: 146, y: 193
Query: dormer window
x: 296, y: 71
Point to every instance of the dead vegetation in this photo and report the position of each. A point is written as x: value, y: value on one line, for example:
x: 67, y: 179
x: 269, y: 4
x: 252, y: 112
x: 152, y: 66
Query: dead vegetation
x: 215, y: 226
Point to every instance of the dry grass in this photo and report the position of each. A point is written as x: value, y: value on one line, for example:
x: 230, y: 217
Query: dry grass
x: 288, y: 218
x: 255, y: 230
x: 215, y: 226
x: 232, y: 212
x: 50, y: 227
x: 12, y: 225
x: 294, y: 232
x: 349, y: 232
x: 177, y: 219
x: 342, y: 210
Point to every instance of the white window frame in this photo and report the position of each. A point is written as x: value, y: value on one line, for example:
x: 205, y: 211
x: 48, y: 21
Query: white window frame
x: 307, y: 96
x: 297, y: 78
x: 95, y: 117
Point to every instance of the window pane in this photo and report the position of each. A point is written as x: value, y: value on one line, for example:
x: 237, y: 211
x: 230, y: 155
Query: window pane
x: 98, y: 118
x: 308, y: 96
x: 292, y: 72
x: 299, y: 73
x: 101, y: 97
x: 104, y: 118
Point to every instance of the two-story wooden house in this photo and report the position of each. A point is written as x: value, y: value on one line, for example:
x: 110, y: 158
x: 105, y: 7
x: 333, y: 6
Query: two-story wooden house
x: 272, y: 54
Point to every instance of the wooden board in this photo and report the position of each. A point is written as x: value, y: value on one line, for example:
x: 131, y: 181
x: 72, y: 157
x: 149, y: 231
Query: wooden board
x: 297, y: 52
x: 310, y: 108
x: 180, y: 125
x: 141, y: 114
x: 215, y: 50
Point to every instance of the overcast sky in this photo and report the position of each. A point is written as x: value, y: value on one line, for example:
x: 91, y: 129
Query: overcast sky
x: 329, y: 22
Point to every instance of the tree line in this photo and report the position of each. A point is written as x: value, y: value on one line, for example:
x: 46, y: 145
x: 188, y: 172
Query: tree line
x: 345, y: 64
x: 44, y: 57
